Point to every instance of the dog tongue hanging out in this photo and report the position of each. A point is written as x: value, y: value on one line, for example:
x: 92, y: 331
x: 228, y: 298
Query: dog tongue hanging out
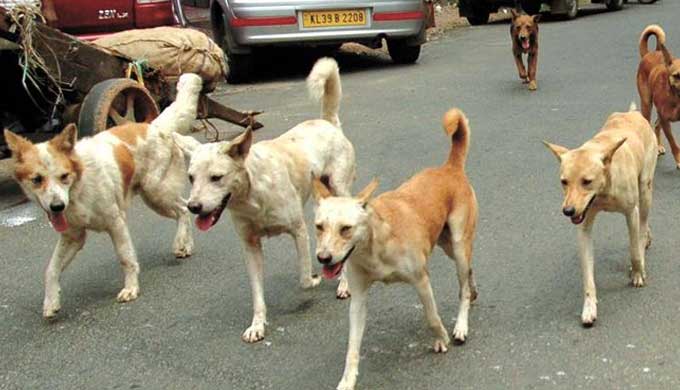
x: 524, y: 34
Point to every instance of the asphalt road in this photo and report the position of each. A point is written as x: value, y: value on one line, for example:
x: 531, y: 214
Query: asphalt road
x: 184, y: 331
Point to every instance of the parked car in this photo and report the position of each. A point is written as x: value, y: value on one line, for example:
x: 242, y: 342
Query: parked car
x: 90, y: 19
x: 477, y: 11
x: 243, y: 26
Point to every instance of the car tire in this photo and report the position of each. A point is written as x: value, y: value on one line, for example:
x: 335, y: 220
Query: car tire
x: 480, y: 15
x: 614, y: 5
x: 531, y: 7
x: 402, y: 53
x: 572, y: 9
x: 239, y: 68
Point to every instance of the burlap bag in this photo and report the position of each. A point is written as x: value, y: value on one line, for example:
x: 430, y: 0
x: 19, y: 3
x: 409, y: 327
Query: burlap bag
x: 172, y: 51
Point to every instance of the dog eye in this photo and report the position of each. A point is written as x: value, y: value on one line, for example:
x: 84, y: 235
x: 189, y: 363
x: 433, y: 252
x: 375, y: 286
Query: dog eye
x: 216, y: 178
x: 191, y: 179
x: 37, y: 180
x: 564, y: 182
x: 64, y: 178
x: 586, y: 182
x: 319, y: 227
x: 345, y: 229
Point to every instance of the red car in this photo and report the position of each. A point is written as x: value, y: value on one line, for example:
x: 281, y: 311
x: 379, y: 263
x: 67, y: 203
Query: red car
x: 90, y: 19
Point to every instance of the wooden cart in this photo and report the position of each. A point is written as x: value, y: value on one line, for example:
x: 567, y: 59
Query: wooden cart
x: 84, y: 84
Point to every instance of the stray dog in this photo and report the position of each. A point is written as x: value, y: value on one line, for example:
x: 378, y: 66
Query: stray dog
x: 266, y: 186
x: 89, y: 184
x: 614, y: 171
x: 658, y: 82
x: 524, y: 35
x: 390, y: 239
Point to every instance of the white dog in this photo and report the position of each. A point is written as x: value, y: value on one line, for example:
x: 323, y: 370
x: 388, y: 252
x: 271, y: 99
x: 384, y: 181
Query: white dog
x: 266, y: 186
x: 89, y: 184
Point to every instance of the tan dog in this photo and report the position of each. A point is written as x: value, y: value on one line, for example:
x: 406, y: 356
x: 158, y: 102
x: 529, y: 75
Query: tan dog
x: 524, y: 35
x: 391, y: 238
x: 614, y: 171
x: 658, y: 82
x: 89, y: 184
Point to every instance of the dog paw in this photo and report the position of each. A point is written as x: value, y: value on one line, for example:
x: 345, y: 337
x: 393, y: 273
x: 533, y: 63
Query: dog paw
x: 441, y: 346
x: 253, y: 334
x: 183, y: 248
x: 637, y: 279
x: 50, y: 310
x: 533, y: 85
x: 311, y: 282
x: 589, y: 315
x: 460, y: 333
x: 343, y: 290
x: 661, y: 151
x: 128, y: 294
x: 345, y: 385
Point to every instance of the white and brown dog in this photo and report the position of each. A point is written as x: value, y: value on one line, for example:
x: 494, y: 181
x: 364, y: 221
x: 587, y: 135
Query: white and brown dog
x: 266, y: 186
x: 613, y: 171
x: 390, y: 239
x: 89, y: 184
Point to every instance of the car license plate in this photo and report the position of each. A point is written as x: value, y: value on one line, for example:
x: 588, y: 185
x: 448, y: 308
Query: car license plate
x: 337, y: 18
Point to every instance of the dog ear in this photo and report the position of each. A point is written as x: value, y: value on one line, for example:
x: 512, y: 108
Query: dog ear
x: 365, y: 195
x: 536, y: 17
x: 514, y: 13
x: 238, y: 148
x: 557, y: 150
x: 667, y: 56
x: 320, y: 190
x: 611, y: 149
x: 17, y: 144
x: 66, y: 140
x: 185, y: 143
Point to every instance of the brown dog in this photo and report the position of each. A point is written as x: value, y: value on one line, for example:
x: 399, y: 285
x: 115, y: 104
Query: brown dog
x: 658, y: 82
x: 524, y: 35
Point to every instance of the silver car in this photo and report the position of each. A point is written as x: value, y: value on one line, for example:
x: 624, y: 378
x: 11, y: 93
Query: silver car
x: 240, y: 26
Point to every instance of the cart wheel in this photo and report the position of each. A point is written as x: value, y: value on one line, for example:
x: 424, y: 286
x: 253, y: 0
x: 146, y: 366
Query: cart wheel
x: 115, y: 102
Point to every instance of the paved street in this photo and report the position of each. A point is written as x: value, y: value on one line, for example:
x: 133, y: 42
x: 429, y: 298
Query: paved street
x: 184, y: 330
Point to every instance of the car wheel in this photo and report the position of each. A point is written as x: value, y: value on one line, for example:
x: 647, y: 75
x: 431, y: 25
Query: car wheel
x: 572, y: 9
x: 531, y: 7
x: 239, y: 68
x: 402, y: 53
x: 480, y: 15
x: 615, y: 5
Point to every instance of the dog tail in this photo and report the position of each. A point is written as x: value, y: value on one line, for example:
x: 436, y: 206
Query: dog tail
x: 180, y: 115
x: 652, y: 29
x: 323, y: 83
x: 456, y: 126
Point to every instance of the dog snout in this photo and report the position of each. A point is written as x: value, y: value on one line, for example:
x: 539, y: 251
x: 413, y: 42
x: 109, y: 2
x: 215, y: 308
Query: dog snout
x: 57, y: 206
x: 324, y: 258
x: 569, y: 211
x: 195, y: 207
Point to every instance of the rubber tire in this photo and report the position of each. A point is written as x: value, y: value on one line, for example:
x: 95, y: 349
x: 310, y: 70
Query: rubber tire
x: 531, y: 7
x: 402, y: 53
x: 614, y: 5
x: 480, y: 15
x: 572, y: 13
x: 93, y: 116
x: 647, y: 1
x: 239, y: 68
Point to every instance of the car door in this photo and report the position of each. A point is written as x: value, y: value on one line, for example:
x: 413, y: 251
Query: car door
x: 93, y: 16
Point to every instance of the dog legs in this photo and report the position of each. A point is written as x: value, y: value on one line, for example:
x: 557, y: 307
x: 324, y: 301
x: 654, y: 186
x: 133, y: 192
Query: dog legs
x: 255, y: 265
x: 666, y: 126
x: 424, y: 289
x: 533, y: 64
x: 520, y: 66
x: 301, y: 236
x: 646, y: 189
x: 128, y: 259
x: 585, y: 242
x: 357, y: 324
x: 66, y: 249
x: 657, y: 131
x: 637, y: 254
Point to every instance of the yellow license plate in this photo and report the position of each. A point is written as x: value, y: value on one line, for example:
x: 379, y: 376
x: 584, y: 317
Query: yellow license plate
x: 338, y: 18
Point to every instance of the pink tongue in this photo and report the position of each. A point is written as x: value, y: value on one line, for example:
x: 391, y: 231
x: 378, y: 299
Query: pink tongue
x: 525, y: 44
x: 331, y: 271
x: 205, y: 222
x: 58, y: 221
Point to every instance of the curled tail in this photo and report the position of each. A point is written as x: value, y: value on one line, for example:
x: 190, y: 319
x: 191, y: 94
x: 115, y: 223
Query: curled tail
x: 456, y: 126
x: 180, y: 115
x: 323, y: 84
x: 652, y: 29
